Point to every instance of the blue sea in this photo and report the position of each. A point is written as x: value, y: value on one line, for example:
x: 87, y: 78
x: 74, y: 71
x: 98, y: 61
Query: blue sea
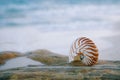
x: 27, y: 25
x: 59, y: 15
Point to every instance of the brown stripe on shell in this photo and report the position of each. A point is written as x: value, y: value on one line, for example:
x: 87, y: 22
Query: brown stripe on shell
x: 86, y: 47
x: 95, y: 54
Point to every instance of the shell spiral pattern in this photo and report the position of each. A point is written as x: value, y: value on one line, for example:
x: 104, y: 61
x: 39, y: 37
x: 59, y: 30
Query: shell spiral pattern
x: 83, y: 49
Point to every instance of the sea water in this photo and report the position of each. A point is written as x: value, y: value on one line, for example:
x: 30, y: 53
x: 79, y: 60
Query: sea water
x: 19, y: 62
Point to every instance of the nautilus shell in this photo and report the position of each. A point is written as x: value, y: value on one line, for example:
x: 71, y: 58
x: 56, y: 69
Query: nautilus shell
x: 84, y: 50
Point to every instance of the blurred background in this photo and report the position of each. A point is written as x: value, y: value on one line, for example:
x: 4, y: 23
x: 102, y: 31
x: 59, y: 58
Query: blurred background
x: 59, y: 14
x: 27, y: 25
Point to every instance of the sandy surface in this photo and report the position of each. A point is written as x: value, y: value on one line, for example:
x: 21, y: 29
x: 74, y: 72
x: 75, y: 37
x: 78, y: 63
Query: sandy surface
x: 56, y: 67
x: 107, y: 70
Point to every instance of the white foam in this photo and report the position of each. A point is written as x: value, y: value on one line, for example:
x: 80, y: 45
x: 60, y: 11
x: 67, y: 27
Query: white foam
x: 30, y: 38
x: 65, y: 16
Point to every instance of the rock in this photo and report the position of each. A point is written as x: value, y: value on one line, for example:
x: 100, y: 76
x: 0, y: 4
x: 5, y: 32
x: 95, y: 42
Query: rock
x: 5, y: 55
x: 47, y: 57
x: 5, y: 76
x: 61, y: 73
x: 58, y: 68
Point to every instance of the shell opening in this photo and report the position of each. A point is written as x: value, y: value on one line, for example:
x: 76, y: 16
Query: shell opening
x: 81, y: 57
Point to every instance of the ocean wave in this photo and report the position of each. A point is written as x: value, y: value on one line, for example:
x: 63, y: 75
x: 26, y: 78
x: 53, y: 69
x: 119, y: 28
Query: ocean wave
x: 4, y: 2
x: 59, y: 15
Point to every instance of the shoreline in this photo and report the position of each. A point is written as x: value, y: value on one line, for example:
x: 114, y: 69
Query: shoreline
x: 105, y: 69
